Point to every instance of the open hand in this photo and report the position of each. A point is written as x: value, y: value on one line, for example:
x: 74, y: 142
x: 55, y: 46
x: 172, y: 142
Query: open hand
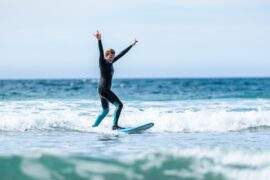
x: 98, y: 35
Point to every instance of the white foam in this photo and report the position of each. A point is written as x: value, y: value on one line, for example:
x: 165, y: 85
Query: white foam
x: 199, y: 116
x: 233, y: 164
x: 193, y: 163
x: 178, y: 116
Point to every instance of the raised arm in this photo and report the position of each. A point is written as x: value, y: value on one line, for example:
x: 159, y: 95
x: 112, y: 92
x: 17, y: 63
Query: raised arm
x: 100, y: 47
x: 122, y: 53
x: 101, y: 52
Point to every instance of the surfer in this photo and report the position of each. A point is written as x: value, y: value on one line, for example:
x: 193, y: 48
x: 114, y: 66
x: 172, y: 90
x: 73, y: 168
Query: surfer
x: 106, y: 61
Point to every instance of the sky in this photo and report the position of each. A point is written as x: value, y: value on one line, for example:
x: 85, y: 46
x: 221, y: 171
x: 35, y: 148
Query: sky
x: 177, y: 38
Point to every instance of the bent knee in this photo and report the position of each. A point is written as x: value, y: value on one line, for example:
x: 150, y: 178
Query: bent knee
x: 119, y: 105
x: 103, y: 92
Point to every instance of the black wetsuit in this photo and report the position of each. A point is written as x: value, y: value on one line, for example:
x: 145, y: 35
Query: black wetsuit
x: 105, y: 83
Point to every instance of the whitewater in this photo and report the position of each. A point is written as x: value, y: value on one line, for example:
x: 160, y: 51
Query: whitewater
x: 204, y: 129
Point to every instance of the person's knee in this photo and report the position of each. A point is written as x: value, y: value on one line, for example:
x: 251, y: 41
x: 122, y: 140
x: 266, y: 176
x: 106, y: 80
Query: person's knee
x: 103, y: 93
x: 119, y: 105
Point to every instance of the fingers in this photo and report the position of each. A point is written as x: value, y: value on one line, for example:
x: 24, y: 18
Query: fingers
x: 97, y: 34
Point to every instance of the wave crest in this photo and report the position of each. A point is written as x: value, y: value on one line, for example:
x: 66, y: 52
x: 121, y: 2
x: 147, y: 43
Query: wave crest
x: 179, y: 116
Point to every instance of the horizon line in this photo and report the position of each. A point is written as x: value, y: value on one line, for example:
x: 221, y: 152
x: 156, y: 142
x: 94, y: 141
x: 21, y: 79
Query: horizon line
x: 179, y: 77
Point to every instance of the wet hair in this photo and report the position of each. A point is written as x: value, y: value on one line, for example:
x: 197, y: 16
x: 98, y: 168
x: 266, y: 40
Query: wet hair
x: 109, y: 51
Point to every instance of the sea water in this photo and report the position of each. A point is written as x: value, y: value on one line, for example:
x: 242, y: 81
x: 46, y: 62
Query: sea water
x: 204, y: 129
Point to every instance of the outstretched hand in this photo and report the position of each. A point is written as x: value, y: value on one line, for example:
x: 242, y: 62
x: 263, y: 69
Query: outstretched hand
x: 135, y: 41
x: 98, y: 35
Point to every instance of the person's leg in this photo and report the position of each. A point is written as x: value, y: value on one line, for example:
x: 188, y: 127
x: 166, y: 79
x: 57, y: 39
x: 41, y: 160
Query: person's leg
x: 111, y: 97
x: 105, y: 111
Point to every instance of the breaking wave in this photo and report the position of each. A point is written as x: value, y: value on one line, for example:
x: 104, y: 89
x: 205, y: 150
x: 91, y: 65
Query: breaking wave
x: 171, y: 116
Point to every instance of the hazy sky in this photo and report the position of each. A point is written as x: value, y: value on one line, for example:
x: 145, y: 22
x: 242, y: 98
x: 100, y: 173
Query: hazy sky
x: 177, y: 38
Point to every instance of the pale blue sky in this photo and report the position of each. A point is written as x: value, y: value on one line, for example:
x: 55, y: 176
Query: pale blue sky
x: 181, y: 38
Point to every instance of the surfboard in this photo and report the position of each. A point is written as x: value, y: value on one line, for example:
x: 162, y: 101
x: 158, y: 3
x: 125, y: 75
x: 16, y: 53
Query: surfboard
x: 137, y: 129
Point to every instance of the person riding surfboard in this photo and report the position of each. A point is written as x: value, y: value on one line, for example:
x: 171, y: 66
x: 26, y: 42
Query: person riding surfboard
x: 106, y: 61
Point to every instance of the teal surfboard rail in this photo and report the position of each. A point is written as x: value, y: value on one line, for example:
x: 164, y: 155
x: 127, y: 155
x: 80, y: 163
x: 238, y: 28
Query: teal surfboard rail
x: 137, y: 129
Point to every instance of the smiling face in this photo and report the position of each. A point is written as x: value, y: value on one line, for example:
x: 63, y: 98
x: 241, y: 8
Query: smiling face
x: 109, y: 55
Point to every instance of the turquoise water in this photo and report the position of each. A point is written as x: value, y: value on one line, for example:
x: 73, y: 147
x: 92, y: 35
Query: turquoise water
x: 204, y: 129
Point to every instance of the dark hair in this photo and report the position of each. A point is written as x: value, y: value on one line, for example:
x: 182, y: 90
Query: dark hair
x: 109, y: 51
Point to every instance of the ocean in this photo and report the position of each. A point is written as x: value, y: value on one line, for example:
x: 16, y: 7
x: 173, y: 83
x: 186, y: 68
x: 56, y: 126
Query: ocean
x: 207, y: 129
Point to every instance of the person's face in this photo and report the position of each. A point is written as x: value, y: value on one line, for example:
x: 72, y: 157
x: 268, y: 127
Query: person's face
x: 110, y: 57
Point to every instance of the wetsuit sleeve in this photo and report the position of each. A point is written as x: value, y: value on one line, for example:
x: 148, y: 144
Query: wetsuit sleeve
x: 101, y: 52
x: 122, y: 53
